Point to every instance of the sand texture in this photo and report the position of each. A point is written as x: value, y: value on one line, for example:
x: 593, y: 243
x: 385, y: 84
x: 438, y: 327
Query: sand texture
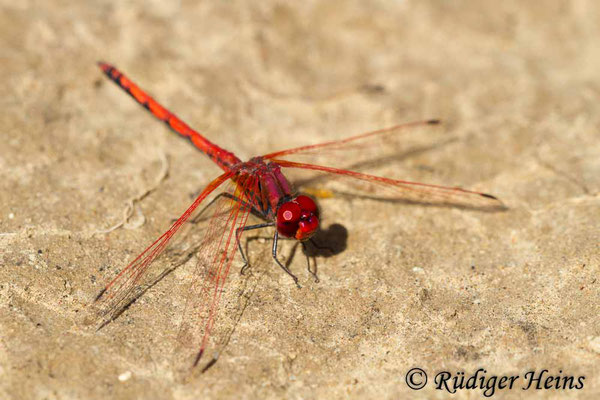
x: 403, y: 285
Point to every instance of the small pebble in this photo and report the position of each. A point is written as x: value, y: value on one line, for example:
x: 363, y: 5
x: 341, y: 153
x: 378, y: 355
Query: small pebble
x: 125, y: 376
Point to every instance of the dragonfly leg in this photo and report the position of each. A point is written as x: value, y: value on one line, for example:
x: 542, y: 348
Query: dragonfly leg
x: 313, y: 273
x: 286, y: 269
x: 238, y: 234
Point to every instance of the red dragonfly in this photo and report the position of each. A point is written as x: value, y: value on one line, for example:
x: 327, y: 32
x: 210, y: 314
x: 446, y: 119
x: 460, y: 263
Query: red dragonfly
x: 257, y: 187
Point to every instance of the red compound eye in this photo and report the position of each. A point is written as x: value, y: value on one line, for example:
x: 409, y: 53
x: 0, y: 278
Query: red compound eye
x: 288, y: 217
x: 298, y: 218
x: 307, y: 204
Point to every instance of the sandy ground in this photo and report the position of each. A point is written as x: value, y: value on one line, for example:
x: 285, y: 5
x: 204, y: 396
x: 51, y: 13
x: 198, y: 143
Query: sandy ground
x: 440, y: 288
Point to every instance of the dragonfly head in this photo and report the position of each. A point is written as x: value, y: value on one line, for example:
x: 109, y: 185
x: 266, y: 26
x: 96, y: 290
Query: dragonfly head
x: 298, y: 218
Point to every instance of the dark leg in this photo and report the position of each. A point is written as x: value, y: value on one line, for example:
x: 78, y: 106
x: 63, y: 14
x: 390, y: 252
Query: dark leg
x: 313, y: 273
x: 275, y: 238
x: 238, y: 234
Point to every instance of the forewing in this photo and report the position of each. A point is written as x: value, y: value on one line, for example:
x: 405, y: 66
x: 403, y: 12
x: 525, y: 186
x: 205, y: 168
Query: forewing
x: 369, y: 149
x: 134, y: 279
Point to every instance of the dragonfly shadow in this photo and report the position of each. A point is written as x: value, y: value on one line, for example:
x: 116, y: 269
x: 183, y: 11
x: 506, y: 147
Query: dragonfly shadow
x: 245, y: 293
x: 142, y: 290
x: 325, y: 243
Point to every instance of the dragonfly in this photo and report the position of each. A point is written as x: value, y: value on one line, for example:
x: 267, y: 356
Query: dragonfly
x: 255, y: 187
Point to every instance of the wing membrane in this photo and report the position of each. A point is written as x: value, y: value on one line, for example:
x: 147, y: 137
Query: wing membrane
x: 126, y: 287
x: 407, y: 191
x: 215, y: 254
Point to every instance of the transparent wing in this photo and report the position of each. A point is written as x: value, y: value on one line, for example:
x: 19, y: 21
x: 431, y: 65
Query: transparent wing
x: 368, y: 149
x: 215, y: 253
x: 377, y: 187
x: 134, y: 279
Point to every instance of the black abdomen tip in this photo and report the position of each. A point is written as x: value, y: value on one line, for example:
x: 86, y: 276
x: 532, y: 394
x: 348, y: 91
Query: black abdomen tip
x: 106, y: 68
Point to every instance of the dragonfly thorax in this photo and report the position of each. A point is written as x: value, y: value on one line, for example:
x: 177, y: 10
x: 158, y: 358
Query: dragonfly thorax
x: 294, y: 216
x: 298, y: 218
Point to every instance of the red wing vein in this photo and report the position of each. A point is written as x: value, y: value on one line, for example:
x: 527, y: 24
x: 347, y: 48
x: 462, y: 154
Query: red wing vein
x: 121, y: 291
x: 412, y: 191
x: 215, y: 256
